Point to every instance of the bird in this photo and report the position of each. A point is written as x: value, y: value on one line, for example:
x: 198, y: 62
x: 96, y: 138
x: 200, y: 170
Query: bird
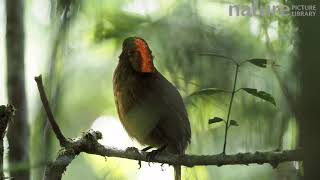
x: 149, y: 107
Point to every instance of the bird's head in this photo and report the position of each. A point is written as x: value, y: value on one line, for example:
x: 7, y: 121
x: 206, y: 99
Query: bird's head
x: 137, y: 52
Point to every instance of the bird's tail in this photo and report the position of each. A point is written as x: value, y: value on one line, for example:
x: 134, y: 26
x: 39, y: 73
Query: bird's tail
x: 177, y: 172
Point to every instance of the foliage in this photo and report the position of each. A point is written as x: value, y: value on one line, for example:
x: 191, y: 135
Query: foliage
x: 260, y: 94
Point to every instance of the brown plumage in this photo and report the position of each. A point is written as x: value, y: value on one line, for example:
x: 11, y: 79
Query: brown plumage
x: 149, y: 106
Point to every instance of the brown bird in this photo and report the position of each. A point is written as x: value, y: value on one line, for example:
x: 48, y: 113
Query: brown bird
x: 149, y: 107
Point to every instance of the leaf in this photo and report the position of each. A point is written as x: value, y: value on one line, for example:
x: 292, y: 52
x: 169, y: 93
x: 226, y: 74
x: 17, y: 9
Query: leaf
x: 260, y: 94
x: 259, y: 62
x: 233, y: 123
x: 208, y: 91
x: 215, y: 120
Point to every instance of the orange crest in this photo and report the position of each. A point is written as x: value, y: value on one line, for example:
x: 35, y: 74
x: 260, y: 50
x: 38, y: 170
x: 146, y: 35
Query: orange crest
x: 146, y: 65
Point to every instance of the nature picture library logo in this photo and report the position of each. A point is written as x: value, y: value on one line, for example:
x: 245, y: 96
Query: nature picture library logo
x: 260, y: 9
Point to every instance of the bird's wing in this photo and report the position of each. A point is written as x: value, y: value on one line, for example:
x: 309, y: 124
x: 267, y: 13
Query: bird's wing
x: 174, y: 123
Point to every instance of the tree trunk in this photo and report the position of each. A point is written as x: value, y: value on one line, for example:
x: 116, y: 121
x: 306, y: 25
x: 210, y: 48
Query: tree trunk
x: 18, y: 135
x: 307, y: 68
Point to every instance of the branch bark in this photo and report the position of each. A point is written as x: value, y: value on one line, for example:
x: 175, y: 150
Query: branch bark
x: 88, y: 143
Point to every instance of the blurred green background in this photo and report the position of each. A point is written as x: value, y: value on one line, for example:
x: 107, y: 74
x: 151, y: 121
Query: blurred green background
x: 78, y: 52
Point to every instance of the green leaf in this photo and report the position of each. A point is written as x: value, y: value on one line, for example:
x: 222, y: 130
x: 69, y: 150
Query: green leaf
x: 208, y: 91
x: 260, y: 94
x: 233, y: 123
x: 215, y: 120
x: 259, y: 62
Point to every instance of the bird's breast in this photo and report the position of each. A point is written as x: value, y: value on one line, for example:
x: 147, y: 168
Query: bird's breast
x: 135, y: 104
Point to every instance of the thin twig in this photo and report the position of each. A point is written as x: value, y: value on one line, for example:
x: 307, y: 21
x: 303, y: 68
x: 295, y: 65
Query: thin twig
x: 229, y: 110
x: 62, y: 140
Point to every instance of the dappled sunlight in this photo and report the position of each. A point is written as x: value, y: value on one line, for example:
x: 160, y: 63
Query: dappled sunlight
x: 113, y: 132
x: 142, y: 7
x: 273, y: 30
x: 255, y: 26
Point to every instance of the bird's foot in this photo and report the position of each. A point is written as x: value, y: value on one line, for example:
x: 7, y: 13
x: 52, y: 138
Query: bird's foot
x: 135, y: 150
x: 162, y: 167
x: 152, y: 154
x: 132, y: 149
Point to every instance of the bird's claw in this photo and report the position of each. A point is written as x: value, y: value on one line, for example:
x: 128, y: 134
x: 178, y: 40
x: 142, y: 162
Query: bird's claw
x: 135, y: 150
x: 152, y: 154
x: 162, y: 167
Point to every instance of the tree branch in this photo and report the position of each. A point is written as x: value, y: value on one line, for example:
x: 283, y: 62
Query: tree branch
x: 62, y: 140
x: 88, y: 143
